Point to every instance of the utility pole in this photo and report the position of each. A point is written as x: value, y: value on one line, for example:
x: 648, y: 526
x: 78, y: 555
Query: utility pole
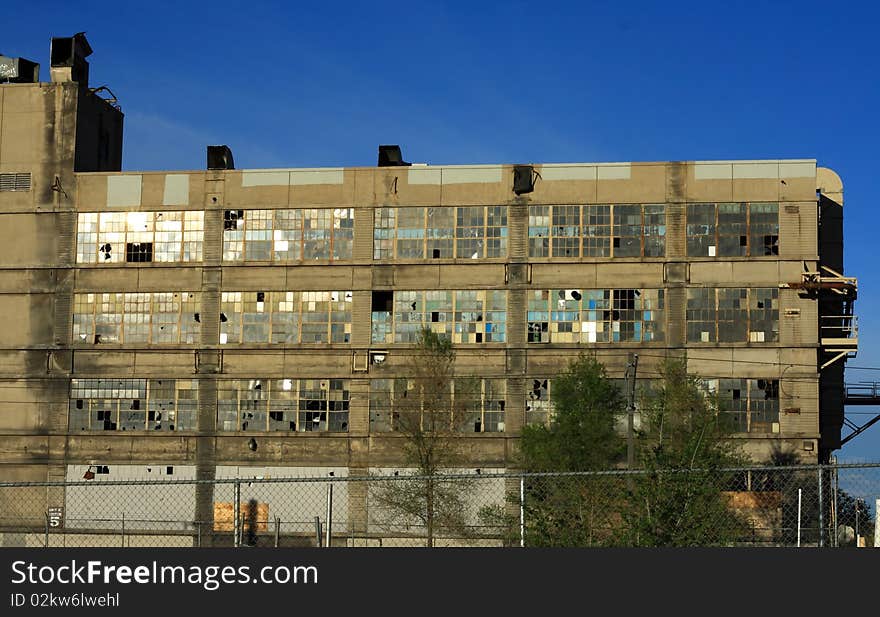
x: 630, y: 376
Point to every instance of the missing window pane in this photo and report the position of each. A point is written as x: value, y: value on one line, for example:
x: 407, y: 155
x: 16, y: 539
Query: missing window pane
x: 139, y: 252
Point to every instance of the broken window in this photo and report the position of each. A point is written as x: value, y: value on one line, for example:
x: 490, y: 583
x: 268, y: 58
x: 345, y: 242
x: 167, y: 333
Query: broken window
x: 595, y: 315
x: 730, y: 315
x: 289, y: 405
x: 764, y: 235
x: 627, y: 231
x: 287, y: 235
x: 133, y: 404
x: 440, y: 233
x: 285, y: 317
x: 565, y: 231
x: 701, y: 241
x: 384, y: 223
x: 139, y: 237
x: 478, y: 404
x: 655, y: 230
x: 750, y: 405
x: 479, y: 316
x: 597, y: 231
x: 317, y: 226
x: 539, y: 231
x: 472, y: 232
x: 733, y: 230
x: 623, y: 230
x: 381, y: 317
x: 538, y: 406
x: 139, y: 317
x: 464, y: 316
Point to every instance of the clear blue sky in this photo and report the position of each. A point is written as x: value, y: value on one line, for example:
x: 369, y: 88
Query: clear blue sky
x: 322, y: 84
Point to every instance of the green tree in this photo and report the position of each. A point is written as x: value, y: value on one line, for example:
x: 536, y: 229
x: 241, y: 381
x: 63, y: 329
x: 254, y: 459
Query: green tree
x: 684, y: 441
x: 581, y: 436
x: 430, y: 415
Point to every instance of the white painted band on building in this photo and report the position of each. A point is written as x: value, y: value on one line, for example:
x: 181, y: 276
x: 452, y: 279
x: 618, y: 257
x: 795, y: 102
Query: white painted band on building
x: 124, y: 191
x: 754, y: 170
x: 549, y: 173
x: 423, y: 176
x: 292, y: 177
x: 614, y: 171
x: 757, y: 171
x: 265, y: 178
x: 797, y: 170
x: 713, y: 171
x: 176, y: 190
x: 471, y: 175
x: 317, y: 176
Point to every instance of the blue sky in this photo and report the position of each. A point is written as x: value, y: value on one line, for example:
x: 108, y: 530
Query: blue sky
x: 321, y: 84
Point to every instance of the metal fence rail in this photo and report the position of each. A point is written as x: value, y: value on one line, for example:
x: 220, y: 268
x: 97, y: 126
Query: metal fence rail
x: 820, y: 506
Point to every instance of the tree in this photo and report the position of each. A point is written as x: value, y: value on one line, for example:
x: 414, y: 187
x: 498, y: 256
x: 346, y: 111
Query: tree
x: 684, y: 442
x: 581, y: 436
x: 430, y: 415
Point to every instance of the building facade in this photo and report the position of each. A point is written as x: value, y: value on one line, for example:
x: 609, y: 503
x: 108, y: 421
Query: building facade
x: 225, y: 319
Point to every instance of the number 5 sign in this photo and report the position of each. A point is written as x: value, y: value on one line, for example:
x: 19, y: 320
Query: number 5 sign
x: 56, y: 517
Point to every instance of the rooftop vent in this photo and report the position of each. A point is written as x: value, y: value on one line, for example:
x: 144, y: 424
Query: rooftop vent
x: 67, y: 60
x: 391, y: 156
x: 18, y: 71
x: 220, y: 157
x: 523, y: 179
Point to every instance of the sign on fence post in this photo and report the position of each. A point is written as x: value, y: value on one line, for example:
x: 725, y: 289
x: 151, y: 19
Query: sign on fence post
x: 56, y: 517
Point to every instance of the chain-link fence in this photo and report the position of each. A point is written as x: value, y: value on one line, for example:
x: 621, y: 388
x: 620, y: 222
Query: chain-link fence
x: 827, y: 506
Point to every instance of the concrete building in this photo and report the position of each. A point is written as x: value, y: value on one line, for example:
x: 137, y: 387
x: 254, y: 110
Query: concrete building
x: 223, y: 319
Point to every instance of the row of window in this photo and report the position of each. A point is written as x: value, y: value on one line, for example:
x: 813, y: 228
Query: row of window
x: 467, y: 232
x: 322, y: 405
x: 467, y: 316
x: 726, y: 315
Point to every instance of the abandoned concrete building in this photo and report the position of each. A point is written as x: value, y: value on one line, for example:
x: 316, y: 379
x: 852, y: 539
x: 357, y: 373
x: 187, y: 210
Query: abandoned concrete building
x: 216, y: 322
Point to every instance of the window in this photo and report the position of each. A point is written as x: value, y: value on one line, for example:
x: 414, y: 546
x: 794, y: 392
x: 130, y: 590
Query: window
x: 477, y: 316
x: 479, y: 404
x: 473, y: 232
x: 733, y: 230
x: 597, y: 231
x: 129, y: 318
x: 139, y: 237
x: 751, y: 405
x: 15, y: 182
x: 290, y: 317
x: 538, y: 406
x: 731, y: 315
x: 288, y: 235
x: 133, y: 404
x: 595, y: 315
x: 293, y: 405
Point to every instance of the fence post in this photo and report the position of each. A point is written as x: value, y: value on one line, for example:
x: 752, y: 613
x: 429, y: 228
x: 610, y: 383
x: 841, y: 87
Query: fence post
x: 522, y: 511
x: 329, y: 514
x: 318, y: 531
x: 47, y: 531
x: 277, y: 530
x: 199, y: 534
x: 800, y: 491
x: 236, y: 513
x: 821, y: 511
x: 123, y: 529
